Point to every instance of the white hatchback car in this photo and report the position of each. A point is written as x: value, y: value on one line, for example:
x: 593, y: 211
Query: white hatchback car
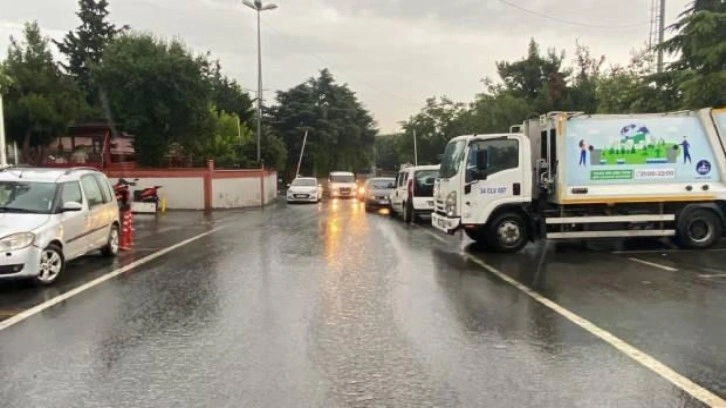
x: 304, y: 190
x: 51, y: 216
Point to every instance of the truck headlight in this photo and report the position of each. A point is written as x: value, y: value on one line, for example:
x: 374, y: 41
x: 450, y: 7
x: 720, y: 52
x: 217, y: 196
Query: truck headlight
x: 450, y: 207
x: 17, y: 241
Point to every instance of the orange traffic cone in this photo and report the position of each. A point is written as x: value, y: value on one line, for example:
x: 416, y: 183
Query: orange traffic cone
x: 125, y: 241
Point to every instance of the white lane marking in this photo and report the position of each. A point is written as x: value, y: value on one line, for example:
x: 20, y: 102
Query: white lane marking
x: 666, y: 250
x: 653, y: 264
x: 690, y: 387
x: 642, y: 358
x: 714, y: 276
x: 71, y: 293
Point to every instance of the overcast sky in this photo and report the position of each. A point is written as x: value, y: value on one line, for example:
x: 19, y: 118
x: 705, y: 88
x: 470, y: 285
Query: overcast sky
x: 393, y: 53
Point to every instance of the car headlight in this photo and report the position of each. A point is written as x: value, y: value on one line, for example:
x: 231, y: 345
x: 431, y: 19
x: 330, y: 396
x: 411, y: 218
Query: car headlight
x: 451, y: 204
x: 17, y: 241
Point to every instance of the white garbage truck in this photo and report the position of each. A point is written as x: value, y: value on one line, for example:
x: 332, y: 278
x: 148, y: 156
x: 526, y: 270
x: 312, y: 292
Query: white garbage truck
x: 569, y: 175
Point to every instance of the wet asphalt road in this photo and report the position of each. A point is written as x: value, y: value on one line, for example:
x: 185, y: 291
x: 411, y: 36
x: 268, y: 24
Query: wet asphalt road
x: 325, y: 305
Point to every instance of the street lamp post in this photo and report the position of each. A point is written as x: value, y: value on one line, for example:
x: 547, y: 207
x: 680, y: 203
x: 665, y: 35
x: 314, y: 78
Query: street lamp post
x: 3, y: 148
x: 259, y: 7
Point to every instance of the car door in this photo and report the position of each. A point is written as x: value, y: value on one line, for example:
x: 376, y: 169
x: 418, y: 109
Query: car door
x: 76, y: 224
x: 396, y: 193
x: 94, y: 197
x: 402, y: 189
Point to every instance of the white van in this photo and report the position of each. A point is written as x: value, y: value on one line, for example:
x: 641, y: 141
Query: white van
x: 342, y: 184
x: 414, y: 193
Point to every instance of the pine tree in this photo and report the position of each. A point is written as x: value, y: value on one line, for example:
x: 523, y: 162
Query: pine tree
x: 84, y: 47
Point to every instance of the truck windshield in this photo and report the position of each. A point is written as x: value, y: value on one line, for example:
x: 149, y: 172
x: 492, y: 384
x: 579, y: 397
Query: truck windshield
x: 452, y: 159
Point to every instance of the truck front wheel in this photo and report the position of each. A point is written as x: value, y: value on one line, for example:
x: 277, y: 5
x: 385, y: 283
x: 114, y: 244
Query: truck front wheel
x: 507, y: 233
x: 699, y: 229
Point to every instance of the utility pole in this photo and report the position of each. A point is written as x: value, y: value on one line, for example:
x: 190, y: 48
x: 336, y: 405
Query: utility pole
x: 3, y: 145
x: 415, y: 149
x: 302, y: 151
x: 661, y: 34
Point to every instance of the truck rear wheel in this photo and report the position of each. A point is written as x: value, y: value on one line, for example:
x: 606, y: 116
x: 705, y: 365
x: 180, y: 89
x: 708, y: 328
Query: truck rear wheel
x: 507, y: 233
x: 699, y: 229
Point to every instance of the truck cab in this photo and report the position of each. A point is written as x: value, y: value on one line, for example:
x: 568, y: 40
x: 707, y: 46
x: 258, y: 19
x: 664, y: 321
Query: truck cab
x: 484, y: 181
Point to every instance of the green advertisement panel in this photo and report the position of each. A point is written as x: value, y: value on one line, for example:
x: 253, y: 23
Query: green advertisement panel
x: 646, y: 150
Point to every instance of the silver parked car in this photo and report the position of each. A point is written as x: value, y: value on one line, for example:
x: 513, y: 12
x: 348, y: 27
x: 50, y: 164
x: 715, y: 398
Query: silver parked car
x: 376, y: 192
x: 51, y: 216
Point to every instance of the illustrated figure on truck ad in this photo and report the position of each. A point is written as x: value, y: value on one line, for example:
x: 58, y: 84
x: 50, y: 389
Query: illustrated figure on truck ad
x: 686, y: 150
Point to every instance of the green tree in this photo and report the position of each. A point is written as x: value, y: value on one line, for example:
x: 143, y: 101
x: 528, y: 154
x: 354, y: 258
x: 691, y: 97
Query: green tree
x: 540, y: 80
x: 386, y: 153
x: 633, y: 88
x: 434, y: 125
x: 40, y: 100
x: 224, y: 145
x: 584, y: 80
x: 228, y: 96
x: 157, y: 91
x: 700, y: 42
x: 85, y: 45
x: 341, y: 131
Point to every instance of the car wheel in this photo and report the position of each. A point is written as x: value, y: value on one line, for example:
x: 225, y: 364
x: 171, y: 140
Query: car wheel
x: 52, y: 264
x: 699, y: 229
x: 508, y: 233
x: 111, y: 247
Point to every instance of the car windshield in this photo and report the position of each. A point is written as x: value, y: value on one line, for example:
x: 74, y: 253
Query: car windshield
x: 382, y: 184
x: 452, y: 159
x: 342, y: 178
x: 27, y: 197
x: 305, y: 182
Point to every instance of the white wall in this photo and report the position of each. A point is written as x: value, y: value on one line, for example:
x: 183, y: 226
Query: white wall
x: 271, y: 187
x: 181, y: 193
x: 235, y: 192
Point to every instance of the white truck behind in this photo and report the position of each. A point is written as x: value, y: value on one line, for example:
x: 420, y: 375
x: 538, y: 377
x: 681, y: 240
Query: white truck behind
x: 577, y: 176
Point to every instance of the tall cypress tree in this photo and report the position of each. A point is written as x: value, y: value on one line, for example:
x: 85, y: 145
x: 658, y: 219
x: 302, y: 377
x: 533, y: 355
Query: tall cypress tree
x: 85, y: 45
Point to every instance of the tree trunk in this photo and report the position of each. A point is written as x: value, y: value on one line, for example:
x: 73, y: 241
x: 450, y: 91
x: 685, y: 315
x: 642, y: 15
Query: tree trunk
x: 26, y: 147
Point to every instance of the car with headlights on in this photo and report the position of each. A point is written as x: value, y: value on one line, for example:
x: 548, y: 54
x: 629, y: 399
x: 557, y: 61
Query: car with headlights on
x: 304, y: 190
x: 342, y: 184
x: 49, y: 217
x: 376, y: 192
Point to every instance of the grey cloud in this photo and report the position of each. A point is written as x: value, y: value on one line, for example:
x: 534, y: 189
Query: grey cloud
x: 394, y: 53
